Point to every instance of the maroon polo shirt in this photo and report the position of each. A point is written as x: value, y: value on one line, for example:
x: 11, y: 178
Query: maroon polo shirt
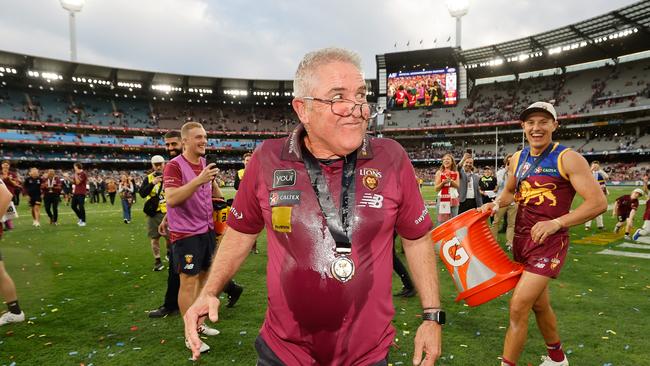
x: 313, y: 318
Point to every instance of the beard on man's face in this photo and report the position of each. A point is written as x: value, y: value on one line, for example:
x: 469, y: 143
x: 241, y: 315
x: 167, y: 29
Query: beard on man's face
x: 174, y: 152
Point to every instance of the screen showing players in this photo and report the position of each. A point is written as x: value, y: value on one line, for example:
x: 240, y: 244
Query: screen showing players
x: 426, y: 88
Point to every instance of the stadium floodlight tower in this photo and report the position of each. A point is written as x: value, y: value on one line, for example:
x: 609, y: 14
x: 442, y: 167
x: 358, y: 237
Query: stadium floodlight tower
x: 458, y: 9
x: 73, y: 6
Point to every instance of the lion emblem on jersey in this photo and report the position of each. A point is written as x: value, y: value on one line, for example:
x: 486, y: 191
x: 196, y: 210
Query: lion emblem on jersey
x: 541, y: 192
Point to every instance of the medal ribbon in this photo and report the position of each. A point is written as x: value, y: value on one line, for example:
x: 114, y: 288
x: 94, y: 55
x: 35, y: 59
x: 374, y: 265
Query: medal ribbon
x: 338, y: 221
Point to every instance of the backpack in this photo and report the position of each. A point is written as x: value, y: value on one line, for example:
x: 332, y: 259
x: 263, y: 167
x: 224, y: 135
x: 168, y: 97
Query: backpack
x: 151, y: 206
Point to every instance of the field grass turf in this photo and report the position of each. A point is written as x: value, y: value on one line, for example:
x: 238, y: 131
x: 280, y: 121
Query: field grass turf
x: 86, y: 292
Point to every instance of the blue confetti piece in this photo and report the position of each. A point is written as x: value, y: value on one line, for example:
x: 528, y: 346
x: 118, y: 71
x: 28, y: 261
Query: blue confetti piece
x: 120, y: 344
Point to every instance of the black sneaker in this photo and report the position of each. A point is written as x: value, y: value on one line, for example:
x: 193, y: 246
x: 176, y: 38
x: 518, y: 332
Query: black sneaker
x: 234, y: 295
x: 162, y: 312
x: 406, y: 292
x: 158, y: 266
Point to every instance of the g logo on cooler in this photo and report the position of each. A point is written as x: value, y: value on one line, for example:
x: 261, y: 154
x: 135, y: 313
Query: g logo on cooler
x: 454, y: 254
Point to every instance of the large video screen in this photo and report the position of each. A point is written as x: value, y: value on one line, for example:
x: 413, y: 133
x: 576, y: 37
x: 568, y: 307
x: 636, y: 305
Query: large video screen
x: 422, y: 89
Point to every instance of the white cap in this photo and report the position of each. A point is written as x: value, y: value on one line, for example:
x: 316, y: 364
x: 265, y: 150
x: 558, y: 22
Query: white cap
x: 538, y: 107
x: 157, y: 159
x: 638, y: 190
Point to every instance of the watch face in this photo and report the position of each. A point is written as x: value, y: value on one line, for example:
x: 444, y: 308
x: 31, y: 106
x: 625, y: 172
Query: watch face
x: 436, y: 316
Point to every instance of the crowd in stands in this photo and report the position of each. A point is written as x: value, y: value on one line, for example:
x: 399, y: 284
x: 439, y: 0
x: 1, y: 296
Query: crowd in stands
x: 616, y: 86
x: 618, y: 172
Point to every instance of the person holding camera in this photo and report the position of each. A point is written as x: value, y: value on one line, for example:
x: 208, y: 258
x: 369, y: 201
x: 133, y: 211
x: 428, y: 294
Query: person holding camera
x: 155, y: 206
x: 190, y: 186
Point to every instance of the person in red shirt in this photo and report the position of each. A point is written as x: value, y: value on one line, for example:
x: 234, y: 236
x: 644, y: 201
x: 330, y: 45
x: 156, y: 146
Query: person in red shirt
x: 624, y: 210
x: 329, y: 300
x: 447, y: 182
x: 80, y: 181
x: 400, y: 97
x: 51, y: 187
x: 544, y: 179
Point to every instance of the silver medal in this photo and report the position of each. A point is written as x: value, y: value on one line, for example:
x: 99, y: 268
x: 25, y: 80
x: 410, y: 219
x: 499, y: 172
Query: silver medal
x: 342, y: 268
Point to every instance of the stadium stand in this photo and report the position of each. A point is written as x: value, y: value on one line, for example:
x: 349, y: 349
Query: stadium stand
x: 104, y: 115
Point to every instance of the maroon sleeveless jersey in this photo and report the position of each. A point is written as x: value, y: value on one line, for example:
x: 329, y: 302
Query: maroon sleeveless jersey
x: 546, y: 193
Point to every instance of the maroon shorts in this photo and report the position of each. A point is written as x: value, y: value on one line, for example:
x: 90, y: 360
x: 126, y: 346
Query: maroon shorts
x: 544, y: 259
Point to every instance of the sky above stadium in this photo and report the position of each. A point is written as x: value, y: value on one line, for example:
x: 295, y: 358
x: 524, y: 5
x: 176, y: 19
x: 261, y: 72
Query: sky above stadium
x: 266, y: 39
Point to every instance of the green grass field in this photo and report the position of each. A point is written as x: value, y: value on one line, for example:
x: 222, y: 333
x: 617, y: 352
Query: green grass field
x: 86, y: 292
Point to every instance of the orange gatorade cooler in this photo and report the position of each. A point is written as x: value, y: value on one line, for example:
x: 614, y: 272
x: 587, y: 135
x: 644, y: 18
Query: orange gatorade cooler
x: 479, y: 267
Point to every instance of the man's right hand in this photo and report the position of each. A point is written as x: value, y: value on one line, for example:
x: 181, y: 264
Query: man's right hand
x: 207, y: 174
x: 204, y: 305
x: 491, y: 207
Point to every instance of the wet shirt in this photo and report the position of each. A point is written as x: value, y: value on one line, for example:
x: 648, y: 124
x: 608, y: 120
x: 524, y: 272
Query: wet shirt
x: 546, y: 193
x: 313, y: 318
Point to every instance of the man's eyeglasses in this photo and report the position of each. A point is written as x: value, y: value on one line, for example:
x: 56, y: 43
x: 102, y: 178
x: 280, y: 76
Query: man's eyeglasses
x: 346, y: 107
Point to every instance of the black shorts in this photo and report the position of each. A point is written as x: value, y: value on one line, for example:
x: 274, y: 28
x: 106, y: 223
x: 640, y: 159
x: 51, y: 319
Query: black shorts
x: 623, y: 217
x: 35, y: 200
x: 266, y: 356
x: 193, y: 254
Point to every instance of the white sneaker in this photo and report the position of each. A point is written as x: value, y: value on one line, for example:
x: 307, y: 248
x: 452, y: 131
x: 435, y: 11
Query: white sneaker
x: 205, y: 330
x: 204, y: 347
x: 10, y: 317
x: 548, y: 362
x: 82, y: 223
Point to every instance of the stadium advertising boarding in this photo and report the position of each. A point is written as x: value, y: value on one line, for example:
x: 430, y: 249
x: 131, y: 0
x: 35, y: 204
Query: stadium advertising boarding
x: 425, y: 88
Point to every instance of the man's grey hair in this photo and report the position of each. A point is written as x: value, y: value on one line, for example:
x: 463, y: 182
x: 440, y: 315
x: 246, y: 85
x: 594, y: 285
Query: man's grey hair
x: 303, y: 80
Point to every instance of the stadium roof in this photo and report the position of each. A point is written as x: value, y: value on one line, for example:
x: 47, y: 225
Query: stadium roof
x: 23, y: 64
x: 620, y: 32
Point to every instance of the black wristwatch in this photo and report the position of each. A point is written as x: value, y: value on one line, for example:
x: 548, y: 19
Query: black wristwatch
x: 435, y: 316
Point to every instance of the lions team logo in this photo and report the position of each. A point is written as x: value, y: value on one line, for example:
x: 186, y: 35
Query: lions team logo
x: 188, y: 258
x: 370, y: 178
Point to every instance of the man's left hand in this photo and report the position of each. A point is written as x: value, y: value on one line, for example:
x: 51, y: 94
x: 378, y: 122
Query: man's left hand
x: 543, y: 230
x: 427, y: 340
